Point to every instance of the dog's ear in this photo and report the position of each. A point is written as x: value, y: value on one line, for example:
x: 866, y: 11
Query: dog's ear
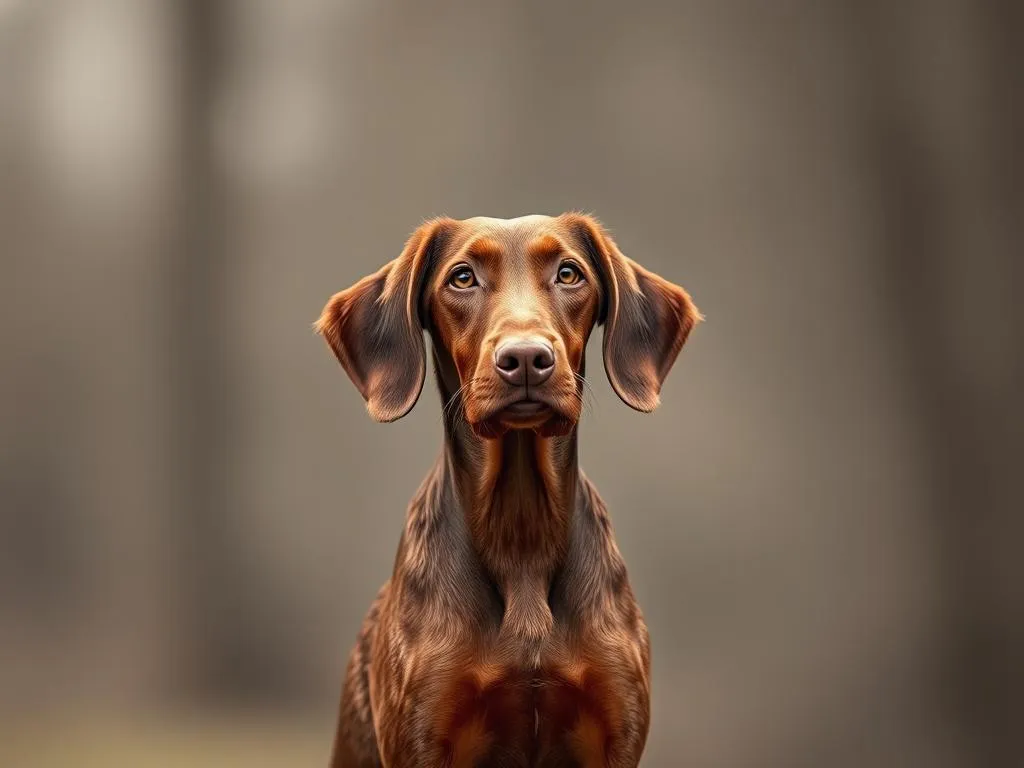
x: 376, y: 331
x: 647, y: 319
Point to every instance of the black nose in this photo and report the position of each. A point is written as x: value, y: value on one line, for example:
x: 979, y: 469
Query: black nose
x: 525, y: 362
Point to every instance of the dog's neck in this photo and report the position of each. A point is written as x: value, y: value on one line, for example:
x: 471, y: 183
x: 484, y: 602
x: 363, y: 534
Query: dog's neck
x: 517, y: 493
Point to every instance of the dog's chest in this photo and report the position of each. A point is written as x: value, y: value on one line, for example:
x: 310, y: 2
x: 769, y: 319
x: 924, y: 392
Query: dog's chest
x: 554, y: 713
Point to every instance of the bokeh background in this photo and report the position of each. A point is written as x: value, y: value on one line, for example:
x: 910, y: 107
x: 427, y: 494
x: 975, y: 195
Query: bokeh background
x: 823, y: 521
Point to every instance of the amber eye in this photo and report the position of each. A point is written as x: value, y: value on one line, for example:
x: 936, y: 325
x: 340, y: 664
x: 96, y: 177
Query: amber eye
x: 462, y: 278
x: 569, y: 274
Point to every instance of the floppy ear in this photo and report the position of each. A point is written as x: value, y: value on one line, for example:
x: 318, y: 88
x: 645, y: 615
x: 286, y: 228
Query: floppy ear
x: 376, y: 331
x: 647, y: 319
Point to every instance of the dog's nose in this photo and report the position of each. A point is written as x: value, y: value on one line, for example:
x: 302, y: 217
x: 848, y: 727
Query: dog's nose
x: 525, y: 362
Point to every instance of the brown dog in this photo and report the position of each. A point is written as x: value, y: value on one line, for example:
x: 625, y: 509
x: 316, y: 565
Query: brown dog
x: 508, y: 634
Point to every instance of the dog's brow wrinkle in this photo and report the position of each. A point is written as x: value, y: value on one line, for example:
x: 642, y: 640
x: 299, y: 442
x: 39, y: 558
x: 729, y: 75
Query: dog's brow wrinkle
x: 485, y: 249
x: 545, y: 246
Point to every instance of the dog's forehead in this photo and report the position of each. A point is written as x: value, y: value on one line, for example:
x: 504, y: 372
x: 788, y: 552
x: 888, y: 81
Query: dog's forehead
x: 510, y: 230
x: 508, y: 238
x: 533, y: 220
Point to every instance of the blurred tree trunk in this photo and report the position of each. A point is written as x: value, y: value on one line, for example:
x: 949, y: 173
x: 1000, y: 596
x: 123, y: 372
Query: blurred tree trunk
x: 201, y: 397
x: 944, y: 144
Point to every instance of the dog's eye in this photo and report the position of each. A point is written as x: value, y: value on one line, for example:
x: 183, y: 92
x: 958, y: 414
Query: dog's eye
x: 569, y: 274
x: 463, y: 278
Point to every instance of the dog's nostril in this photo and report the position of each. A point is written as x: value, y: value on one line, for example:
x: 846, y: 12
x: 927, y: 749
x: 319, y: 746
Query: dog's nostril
x: 508, y: 362
x: 541, y: 361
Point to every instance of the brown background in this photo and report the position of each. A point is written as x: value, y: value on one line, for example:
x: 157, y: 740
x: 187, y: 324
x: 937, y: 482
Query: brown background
x: 822, y: 521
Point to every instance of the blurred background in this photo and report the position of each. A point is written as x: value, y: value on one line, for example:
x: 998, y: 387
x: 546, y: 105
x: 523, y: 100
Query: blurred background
x: 823, y: 521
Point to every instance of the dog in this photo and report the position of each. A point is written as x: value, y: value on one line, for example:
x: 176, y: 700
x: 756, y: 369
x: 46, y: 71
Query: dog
x: 508, y: 634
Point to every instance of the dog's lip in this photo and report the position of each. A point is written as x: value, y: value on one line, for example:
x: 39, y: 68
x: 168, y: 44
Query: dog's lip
x: 525, y: 407
x: 527, y: 411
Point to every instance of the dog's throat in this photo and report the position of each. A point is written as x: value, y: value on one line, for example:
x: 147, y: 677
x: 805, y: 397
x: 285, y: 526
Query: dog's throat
x: 517, y: 492
x: 521, y: 494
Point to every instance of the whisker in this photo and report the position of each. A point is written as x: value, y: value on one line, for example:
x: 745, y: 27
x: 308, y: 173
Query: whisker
x: 451, y: 401
x: 457, y: 403
x: 587, y: 396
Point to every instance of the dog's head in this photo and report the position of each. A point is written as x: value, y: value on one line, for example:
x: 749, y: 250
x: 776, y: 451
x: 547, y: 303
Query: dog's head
x: 509, y: 304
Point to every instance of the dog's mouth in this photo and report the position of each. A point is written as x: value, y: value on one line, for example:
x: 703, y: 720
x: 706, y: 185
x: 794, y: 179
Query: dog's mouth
x: 524, y: 408
x: 528, y: 411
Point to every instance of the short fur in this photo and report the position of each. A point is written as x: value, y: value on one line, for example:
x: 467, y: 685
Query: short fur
x: 508, y: 634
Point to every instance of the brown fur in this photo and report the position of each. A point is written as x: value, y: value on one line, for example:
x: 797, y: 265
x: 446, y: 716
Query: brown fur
x: 508, y: 634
